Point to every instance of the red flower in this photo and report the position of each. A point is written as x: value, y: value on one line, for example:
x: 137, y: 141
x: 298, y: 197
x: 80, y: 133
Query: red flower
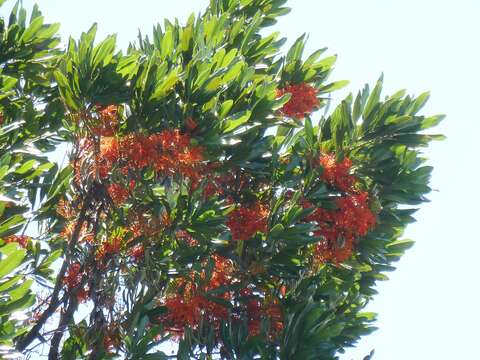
x: 118, y: 194
x: 353, y: 218
x: 337, y: 174
x: 303, y: 100
x: 22, y: 240
x: 274, y: 314
x: 174, y: 154
x: 74, y: 276
x: 137, y: 150
x: 137, y: 253
x: 256, y: 311
x: 354, y: 214
x: 108, y: 121
x: 254, y: 316
x: 340, y: 227
x: 186, y: 237
x: 246, y: 221
x: 109, y: 155
x: 191, y: 306
x: 210, y: 189
x: 111, y: 339
x: 113, y: 245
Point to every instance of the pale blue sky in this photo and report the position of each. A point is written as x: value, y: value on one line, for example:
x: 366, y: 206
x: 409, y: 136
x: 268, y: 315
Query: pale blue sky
x: 429, y: 308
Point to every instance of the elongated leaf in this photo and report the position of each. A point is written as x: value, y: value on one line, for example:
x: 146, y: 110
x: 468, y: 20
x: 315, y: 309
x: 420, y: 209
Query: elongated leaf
x: 12, y: 261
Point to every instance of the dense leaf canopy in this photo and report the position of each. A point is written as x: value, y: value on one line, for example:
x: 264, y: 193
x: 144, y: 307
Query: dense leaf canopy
x: 205, y: 206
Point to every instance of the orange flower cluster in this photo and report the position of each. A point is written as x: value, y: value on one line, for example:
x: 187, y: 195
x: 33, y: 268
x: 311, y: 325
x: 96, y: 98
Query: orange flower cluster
x: 74, y: 276
x: 149, y: 227
x: 118, y: 194
x: 109, y: 155
x: 137, y: 253
x: 73, y: 280
x: 256, y: 311
x: 186, y: 238
x: 339, y: 228
x: 168, y: 153
x: 337, y: 174
x: 107, y: 121
x: 22, y: 240
x: 246, y: 220
x: 192, y: 306
x: 303, y: 100
x: 111, y: 246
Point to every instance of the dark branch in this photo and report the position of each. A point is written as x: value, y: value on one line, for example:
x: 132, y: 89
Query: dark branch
x: 55, y: 302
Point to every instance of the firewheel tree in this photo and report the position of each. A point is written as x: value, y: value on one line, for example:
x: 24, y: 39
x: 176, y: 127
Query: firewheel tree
x: 204, y: 208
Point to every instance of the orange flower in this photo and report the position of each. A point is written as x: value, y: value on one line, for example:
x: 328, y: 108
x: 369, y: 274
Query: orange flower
x: 191, y: 306
x: 22, y: 240
x: 84, y: 236
x: 108, y: 121
x: 118, y: 194
x: 137, y: 253
x: 246, y: 221
x: 109, y: 155
x: 113, y: 246
x: 303, y: 100
x: 337, y: 174
x: 340, y: 227
x: 74, y: 276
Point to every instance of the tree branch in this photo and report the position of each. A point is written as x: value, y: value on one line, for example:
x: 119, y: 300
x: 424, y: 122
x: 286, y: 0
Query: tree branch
x: 55, y: 302
x: 65, y: 318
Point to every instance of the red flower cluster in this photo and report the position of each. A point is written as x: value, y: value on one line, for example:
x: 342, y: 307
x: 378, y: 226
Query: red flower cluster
x: 256, y: 311
x: 186, y: 238
x: 245, y: 221
x: 137, y: 253
x: 73, y: 280
x: 109, y: 155
x: 118, y: 194
x: 339, y: 228
x: 111, y: 246
x: 22, y: 240
x: 336, y: 173
x: 168, y: 153
x: 303, y: 100
x: 74, y: 276
x: 107, y: 121
x: 192, y: 306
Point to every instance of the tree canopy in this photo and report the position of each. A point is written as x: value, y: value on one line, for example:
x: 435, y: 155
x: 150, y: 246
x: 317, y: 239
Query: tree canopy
x: 205, y: 204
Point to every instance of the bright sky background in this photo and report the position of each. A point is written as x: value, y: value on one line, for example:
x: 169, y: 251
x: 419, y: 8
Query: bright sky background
x: 429, y: 309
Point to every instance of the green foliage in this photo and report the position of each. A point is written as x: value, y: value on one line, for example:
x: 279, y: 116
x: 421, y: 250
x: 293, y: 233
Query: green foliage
x: 27, y: 49
x: 216, y: 84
